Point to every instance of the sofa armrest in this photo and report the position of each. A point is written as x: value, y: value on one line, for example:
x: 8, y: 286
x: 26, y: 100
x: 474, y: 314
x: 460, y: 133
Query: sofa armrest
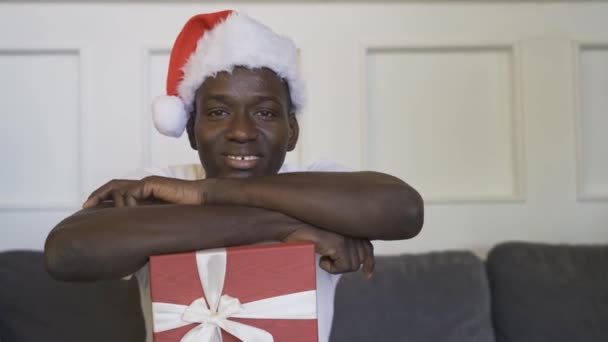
x: 35, y: 307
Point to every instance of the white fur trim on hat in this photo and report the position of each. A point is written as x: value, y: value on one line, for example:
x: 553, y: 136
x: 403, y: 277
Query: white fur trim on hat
x: 241, y: 41
x: 170, y: 115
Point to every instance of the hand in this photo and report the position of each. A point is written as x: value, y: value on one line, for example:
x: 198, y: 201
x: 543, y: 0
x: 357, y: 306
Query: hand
x: 339, y: 254
x: 129, y: 193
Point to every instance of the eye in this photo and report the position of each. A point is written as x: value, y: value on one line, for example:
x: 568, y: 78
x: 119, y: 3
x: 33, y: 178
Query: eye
x: 266, y: 114
x: 217, y: 113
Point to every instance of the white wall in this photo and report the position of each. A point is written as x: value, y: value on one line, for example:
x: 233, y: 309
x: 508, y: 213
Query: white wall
x: 496, y: 112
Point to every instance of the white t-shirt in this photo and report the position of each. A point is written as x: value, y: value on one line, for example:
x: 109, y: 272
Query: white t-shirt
x: 326, y: 282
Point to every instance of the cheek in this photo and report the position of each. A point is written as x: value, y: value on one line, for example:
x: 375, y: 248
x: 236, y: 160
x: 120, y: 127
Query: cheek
x: 204, y: 134
x: 278, y: 134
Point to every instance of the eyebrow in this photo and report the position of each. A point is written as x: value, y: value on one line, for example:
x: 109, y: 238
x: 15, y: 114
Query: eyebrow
x: 263, y: 98
x: 227, y: 99
x: 217, y: 97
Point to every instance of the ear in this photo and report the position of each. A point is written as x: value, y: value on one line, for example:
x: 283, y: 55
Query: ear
x: 294, y: 131
x: 190, y: 130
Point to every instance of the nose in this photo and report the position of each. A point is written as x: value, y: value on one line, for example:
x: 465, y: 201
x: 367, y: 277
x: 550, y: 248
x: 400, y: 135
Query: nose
x: 241, y: 128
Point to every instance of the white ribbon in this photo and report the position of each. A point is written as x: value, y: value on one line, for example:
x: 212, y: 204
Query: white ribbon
x: 211, y: 266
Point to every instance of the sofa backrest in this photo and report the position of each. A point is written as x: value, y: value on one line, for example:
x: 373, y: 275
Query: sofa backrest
x: 415, y: 298
x: 35, y: 307
x: 549, y: 293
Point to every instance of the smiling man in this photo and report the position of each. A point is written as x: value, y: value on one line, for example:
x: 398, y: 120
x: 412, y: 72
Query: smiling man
x: 233, y: 86
x: 244, y: 123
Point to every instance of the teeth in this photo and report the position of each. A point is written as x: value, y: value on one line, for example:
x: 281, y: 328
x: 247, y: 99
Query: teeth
x: 243, y: 157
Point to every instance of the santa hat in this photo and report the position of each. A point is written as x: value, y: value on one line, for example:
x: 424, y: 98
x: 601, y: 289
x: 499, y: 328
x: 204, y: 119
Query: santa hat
x: 214, y: 42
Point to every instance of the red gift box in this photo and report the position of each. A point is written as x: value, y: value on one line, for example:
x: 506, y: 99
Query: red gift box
x: 257, y: 293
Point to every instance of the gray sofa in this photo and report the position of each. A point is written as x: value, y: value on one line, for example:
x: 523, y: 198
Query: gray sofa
x: 523, y: 292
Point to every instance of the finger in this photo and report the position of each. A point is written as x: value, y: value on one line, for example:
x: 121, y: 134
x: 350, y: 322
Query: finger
x: 339, y: 257
x: 325, y: 263
x: 333, y: 259
x: 99, y: 195
x: 352, y: 255
x: 361, y: 253
x: 369, y: 264
x: 136, y: 193
x: 149, y: 189
x: 104, y: 193
x: 130, y: 200
x: 329, y: 265
x: 143, y: 191
x: 117, y: 198
x: 91, y: 202
x: 173, y: 190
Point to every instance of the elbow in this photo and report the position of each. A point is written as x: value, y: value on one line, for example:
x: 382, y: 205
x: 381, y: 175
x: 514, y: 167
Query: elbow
x: 411, y: 209
x: 414, y: 216
x: 407, y: 206
x: 399, y: 210
x: 61, y: 256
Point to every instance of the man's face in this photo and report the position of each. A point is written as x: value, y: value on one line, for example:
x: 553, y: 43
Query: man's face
x: 243, y: 126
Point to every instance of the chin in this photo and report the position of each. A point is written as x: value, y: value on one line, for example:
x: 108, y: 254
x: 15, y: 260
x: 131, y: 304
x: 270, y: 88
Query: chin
x: 238, y: 174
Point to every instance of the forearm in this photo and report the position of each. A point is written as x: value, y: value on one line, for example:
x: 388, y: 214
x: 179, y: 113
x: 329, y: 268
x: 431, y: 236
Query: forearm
x: 360, y: 204
x: 113, y: 242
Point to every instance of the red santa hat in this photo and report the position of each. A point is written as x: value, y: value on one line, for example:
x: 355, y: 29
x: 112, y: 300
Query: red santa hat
x: 214, y: 42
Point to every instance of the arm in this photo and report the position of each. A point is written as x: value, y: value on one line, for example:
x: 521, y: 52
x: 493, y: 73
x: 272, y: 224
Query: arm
x: 360, y: 204
x: 113, y: 242
x: 363, y: 204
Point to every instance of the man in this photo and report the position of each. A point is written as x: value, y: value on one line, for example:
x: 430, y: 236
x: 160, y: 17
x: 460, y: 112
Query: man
x: 233, y: 86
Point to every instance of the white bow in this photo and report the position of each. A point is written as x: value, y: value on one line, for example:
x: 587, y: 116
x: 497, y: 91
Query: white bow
x: 213, y: 318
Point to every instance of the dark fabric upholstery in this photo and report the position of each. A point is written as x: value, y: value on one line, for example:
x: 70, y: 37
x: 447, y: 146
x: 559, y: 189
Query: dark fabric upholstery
x: 34, y: 307
x: 549, y: 293
x: 439, y: 297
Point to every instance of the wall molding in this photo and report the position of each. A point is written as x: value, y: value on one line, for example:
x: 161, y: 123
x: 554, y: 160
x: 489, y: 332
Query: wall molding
x: 147, y: 124
x: 578, y: 45
x: 517, y: 138
x: 58, y: 50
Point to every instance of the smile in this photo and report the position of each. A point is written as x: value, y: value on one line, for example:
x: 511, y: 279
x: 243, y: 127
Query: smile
x: 242, y: 157
x: 242, y: 162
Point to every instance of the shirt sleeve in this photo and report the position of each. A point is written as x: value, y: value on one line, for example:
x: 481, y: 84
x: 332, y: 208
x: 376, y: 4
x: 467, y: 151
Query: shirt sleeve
x: 148, y: 171
x: 325, y: 165
x: 322, y: 165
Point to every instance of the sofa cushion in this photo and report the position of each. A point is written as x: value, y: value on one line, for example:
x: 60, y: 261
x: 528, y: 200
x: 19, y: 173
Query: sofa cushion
x: 549, y: 292
x: 439, y: 297
x: 34, y: 307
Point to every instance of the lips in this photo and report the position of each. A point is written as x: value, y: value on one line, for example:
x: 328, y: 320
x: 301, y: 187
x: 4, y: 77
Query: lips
x: 241, y: 161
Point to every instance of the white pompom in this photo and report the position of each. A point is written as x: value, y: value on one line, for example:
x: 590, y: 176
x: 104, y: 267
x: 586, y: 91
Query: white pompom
x: 170, y: 116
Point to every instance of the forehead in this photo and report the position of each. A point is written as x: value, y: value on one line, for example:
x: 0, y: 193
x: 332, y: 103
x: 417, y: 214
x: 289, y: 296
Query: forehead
x: 242, y: 83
